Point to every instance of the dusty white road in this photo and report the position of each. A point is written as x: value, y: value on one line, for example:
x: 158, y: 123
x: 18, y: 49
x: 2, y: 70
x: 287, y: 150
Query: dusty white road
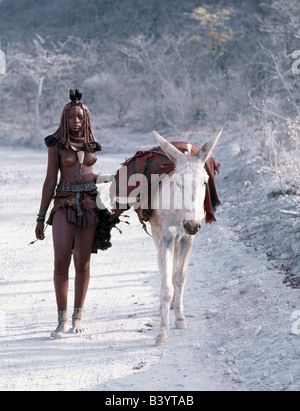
x: 239, y: 313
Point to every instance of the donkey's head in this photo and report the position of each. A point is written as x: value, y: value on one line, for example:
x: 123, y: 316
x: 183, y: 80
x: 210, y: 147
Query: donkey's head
x: 192, y: 178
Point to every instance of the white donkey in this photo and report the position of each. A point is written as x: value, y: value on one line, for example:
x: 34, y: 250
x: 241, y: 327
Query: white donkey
x: 173, y: 229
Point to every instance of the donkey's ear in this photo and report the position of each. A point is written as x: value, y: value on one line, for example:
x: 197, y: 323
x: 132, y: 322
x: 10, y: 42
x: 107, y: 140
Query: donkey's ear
x: 171, y: 151
x: 207, y: 150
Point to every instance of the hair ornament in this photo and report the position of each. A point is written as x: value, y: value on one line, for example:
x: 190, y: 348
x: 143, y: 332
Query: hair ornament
x: 75, y: 96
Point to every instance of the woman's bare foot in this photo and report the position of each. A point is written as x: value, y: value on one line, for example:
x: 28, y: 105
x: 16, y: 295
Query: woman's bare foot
x: 77, y: 327
x: 62, y: 325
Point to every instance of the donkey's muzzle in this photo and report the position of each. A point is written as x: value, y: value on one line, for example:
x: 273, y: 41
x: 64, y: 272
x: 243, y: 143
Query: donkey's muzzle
x: 191, y: 227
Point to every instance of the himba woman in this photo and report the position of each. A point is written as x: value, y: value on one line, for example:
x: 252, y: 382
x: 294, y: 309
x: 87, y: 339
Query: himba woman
x: 75, y: 216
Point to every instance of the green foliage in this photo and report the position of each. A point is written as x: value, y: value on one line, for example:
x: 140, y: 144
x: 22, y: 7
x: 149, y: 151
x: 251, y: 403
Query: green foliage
x: 213, y: 27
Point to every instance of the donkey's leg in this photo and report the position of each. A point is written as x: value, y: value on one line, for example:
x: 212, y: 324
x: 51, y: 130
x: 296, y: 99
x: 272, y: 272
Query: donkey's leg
x: 186, y: 246
x: 156, y: 233
x: 165, y: 261
x: 175, y: 263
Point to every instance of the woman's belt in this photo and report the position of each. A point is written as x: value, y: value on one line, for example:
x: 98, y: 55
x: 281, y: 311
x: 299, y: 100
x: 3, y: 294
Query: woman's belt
x: 76, y: 188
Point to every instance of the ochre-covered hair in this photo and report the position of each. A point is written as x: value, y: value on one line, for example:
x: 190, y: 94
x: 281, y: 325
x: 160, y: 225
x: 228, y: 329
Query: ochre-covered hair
x: 62, y: 134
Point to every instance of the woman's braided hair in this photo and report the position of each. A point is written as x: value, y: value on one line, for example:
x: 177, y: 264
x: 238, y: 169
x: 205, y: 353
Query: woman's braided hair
x: 62, y: 134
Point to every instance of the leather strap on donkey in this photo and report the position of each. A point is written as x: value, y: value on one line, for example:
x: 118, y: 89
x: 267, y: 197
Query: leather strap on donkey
x: 155, y: 161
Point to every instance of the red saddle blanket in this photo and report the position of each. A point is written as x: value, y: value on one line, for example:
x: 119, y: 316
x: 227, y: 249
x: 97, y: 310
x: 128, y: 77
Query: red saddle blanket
x: 155, y: 161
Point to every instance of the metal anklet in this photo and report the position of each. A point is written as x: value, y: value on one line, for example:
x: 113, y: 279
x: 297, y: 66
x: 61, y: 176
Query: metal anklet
x: 77, y: 314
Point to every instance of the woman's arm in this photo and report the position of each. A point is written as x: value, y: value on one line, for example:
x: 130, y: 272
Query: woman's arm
x: 50, y: 180
x: 48, y: 188
x: 95, y: 177
x: 103, y: 178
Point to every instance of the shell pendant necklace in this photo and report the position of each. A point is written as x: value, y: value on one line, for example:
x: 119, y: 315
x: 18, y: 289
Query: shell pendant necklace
x: 80, y: 155
x: 79, y: 150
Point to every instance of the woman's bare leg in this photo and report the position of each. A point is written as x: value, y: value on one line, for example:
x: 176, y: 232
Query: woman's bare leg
x: 63, y: 238
x: 84, y: 238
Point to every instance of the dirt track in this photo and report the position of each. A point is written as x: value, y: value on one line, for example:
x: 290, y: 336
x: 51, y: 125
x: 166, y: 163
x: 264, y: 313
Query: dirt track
x: 239, y: 313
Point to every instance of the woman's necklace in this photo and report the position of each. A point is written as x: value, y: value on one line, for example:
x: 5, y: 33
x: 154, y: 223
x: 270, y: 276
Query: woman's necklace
x: 80, y: 153
x: 78, y: 148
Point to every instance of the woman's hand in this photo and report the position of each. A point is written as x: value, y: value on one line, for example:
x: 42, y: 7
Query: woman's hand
x: 39, y: 231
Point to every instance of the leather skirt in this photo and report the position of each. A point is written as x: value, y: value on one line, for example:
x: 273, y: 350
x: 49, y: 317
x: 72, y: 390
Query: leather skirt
x: 78, y: 203
x: 80, y: 207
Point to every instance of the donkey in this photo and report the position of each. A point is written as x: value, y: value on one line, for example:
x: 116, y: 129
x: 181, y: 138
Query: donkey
x: 174, y: 229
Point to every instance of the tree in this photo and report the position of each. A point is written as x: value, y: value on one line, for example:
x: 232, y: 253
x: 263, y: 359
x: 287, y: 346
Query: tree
x: 168, y: 79
x: 45, y: 62
x: 213, y: 26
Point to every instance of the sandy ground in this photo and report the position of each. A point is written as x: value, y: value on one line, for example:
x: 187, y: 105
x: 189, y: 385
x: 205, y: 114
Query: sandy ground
x: 242, y: 320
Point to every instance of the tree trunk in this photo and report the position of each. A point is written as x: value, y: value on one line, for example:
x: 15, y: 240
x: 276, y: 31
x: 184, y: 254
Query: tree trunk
x: 39, y: 91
